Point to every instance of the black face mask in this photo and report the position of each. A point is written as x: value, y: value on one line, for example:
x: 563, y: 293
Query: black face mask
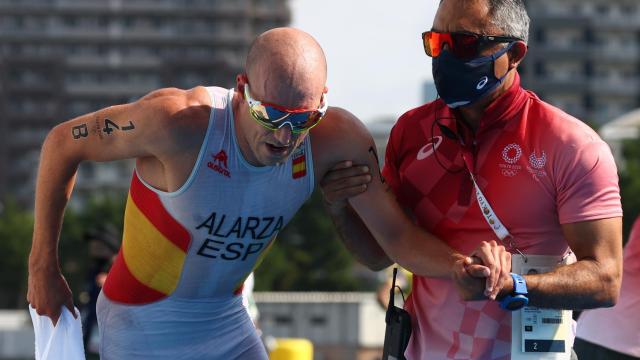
x: 461, y: 83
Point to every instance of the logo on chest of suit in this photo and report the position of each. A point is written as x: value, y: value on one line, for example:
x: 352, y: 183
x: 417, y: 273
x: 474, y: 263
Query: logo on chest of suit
x: 537, y: 164
x: 218, y: 163
x: 511, y: 154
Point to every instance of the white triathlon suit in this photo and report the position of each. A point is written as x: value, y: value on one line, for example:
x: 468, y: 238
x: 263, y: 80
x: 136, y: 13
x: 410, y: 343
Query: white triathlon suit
x: 174, y: 291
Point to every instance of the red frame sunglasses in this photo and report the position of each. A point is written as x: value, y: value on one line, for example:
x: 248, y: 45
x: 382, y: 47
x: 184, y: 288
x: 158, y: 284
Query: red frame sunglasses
x: 463, y: 45
x: 273, y: 116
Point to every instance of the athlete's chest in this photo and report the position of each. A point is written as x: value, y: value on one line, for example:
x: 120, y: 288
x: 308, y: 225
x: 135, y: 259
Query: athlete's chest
x: 227, y: 197
x: 233, y: 211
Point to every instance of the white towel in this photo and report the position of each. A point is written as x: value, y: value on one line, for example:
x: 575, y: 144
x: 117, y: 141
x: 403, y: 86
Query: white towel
x: 62, y: 342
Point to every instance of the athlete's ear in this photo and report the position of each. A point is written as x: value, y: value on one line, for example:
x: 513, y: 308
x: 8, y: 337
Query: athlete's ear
x: 325, y: 90
x: 241, y: 81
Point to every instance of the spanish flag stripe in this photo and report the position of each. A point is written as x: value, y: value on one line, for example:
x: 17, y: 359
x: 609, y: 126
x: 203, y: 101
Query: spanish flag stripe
x: 150, y: 205
x: 150, y: 256
x: 298, y: 160
x: 299, y: 167
x: 299, y: 174
x: 122, y: 286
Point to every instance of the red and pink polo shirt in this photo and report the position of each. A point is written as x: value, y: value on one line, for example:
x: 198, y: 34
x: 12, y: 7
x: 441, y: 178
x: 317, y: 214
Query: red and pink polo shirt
x: 538, y: 167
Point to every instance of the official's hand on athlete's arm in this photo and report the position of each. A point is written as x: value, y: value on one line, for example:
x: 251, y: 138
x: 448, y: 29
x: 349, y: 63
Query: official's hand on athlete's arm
x: 118, y: 132
x: 343, y: 181
x: 377, y: 211
x: 591, y: 282
x: 339, y: 184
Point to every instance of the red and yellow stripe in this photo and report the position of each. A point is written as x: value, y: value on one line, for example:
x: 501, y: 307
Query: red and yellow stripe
x: 154, y: 248
x: 299, y: 166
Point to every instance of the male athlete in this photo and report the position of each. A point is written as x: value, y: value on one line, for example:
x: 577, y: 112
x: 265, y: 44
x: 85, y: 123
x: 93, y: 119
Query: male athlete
x: 218, y: 174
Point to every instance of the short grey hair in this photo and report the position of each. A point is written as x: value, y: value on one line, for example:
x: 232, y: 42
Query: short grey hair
x: 511, y: 17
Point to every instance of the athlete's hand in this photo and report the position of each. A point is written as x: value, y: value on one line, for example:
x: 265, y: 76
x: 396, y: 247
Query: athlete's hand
x: 343, y: 181
x: 49, y: 292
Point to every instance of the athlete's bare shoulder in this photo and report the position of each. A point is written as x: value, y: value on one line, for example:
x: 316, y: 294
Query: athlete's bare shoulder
x: 173, y: 104
x: 340, y: 136
x: 177, y: 116
x: 177, y: 133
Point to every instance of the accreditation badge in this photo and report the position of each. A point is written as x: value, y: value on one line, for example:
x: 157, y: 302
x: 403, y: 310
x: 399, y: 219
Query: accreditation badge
x: 538, y: 333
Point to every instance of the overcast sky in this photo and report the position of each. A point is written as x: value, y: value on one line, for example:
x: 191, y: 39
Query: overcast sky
x: 377, y: 67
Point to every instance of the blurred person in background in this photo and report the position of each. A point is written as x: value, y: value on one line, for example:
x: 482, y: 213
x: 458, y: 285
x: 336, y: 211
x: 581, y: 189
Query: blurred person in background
x: 402, y: 290
x: 550, y: 180
x: 614, y: 333
x: 103, y: 243
x: 219, y: 172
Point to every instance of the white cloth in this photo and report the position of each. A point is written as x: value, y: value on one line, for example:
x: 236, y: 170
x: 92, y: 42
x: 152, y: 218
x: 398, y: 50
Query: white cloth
x: 60, y: 342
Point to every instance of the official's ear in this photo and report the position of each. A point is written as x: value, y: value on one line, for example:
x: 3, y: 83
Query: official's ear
x: 517, y: 53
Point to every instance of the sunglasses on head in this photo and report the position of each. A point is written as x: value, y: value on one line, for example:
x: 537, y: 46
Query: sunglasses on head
x: 273, y: 117
x: 463, y: 45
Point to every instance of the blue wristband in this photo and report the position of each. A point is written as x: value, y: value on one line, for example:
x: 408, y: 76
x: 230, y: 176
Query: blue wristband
x: 519, y: 298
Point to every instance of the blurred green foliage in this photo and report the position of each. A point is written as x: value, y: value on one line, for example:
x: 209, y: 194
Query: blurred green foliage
x: 16, y: 228
x: 15, y: 242
x: 308, y: 256
x: 79, y: 225
x: 630, y: 184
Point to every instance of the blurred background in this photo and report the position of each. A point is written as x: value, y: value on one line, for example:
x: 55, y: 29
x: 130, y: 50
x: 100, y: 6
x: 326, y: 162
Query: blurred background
x: 63, y: 58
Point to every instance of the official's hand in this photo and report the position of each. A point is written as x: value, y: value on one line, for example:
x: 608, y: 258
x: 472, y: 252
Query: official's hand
x: 469, y: 287
x: 497, y: 259
x: 343, y: 181
x: 48, y: 292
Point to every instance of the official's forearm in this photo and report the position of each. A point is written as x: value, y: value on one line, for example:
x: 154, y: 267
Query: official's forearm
x: 586, y: 284
x: 357, y: 238
x: 56, y: 176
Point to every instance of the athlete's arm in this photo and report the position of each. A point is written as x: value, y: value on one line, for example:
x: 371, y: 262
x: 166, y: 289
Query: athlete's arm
x: 139, y: 129
x: 345, y: 137
x: 339, y: 184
